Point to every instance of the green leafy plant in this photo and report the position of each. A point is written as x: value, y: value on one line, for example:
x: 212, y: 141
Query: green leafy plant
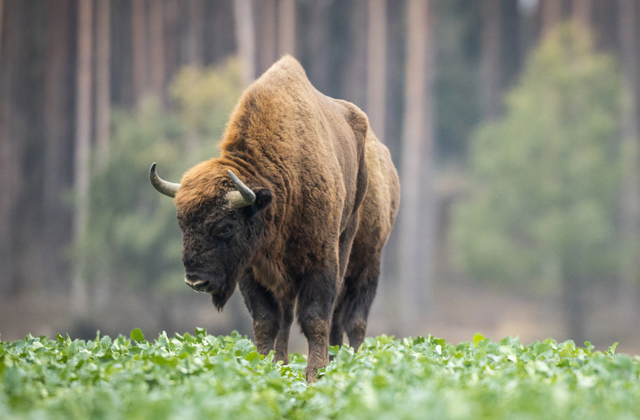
x: 202, y: 376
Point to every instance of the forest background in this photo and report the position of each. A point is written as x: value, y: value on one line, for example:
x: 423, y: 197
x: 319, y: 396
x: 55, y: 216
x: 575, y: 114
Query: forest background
x: 514, y: 125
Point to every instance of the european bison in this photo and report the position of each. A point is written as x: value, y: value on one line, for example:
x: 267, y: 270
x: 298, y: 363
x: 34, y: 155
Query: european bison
x: 297, y: 208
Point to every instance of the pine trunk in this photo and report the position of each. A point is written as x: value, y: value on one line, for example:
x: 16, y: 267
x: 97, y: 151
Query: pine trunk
x: 490, y: 58
x: 551, y: 15
x: 630, y: 137
x: 581, y: 12
x: 103, y: 80
x: 377, y: 66
x: 417, y: 210
x: 286, y: 27
x: 243, y: 11
x: 83, y: 147
x: 139, y: 48
x: 354, y: 79
x: 58, y: 115
x: 195, y: 49
x: 267, y: 41
x: 156, y: 41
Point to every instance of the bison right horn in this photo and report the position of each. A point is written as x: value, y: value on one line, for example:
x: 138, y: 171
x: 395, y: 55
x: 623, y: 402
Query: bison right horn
x: 169, y: 189
x: 241, y: 198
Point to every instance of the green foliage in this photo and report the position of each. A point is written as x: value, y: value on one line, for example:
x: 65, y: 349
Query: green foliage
x: 206, y: 97
x: 456, y: 87
x: 202, y: 376
x: 547, y: 176
x: 133, y: 237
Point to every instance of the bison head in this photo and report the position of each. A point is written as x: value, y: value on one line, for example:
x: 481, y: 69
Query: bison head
x: 222, y: 226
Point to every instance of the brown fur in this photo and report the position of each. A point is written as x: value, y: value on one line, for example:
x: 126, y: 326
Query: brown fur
x: 330, y: 195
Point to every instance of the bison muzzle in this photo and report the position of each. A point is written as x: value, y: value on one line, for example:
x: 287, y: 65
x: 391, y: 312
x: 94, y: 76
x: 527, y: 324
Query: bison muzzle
x: 295, y: 211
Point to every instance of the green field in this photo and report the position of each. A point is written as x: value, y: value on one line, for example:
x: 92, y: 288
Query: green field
x: 201, y: 376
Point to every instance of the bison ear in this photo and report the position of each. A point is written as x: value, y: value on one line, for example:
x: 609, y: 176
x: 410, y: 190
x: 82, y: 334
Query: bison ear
x: 263, y: 200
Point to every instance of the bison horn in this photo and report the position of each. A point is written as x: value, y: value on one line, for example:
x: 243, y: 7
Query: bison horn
x: 241, y: 198
x: 167, y: 188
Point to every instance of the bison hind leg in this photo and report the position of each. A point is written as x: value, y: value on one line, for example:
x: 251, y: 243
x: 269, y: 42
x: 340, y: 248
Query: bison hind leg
x: 336, y: 336
x: 352, y: 311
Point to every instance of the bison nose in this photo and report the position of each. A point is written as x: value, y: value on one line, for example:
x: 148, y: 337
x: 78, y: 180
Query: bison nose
x: 196, y: 283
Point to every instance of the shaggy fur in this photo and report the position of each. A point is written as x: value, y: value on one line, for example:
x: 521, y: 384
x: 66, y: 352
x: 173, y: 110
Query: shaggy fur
x: 327, y: 196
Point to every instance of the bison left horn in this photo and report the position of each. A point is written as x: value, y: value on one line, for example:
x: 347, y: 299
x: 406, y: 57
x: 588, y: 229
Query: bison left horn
x: 169, y: 189
x: 241, y: 198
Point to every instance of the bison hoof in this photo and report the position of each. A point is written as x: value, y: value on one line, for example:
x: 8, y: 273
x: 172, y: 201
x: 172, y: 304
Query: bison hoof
x: 311, y: 374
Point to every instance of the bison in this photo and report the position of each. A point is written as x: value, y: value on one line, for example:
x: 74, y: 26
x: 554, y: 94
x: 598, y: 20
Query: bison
x: 295, y: 210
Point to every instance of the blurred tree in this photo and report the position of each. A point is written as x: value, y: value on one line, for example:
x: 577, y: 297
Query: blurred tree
x: 267, y: 40
x: 84, y: 94
x: 1, y: 20
x: 245, y: 35
x: 630, y: 136
x: 195, y: 25
x: 548, y: 177
x: 550, y: 16
x: 581, y: 12
x: 103, y: 80
x: 58, y: 115
x: 286, y: 27
x: 156, y: 50
x: 491, y: 50
x: 139, y: 48
x: 317, y: 56
x: 377, y: 66
x: 353, y: 79
x: 133, y: 240
x: 457, y: 85
x: 417, y: 211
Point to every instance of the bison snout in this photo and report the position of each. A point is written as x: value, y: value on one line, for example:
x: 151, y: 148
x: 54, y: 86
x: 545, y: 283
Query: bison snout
x: 197, y: 283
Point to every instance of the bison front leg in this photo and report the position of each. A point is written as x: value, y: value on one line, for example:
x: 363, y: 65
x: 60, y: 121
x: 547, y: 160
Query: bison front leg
x: 265, y: 313
x: 315, y: 305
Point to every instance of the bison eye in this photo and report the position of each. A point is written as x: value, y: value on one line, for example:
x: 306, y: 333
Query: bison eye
x: 224, y: 231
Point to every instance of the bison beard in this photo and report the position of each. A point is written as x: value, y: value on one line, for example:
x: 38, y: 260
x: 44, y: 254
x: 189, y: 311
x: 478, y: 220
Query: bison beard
x: 295, y: 211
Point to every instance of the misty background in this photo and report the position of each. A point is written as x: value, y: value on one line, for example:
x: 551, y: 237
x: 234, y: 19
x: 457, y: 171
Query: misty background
x: 514, y: 125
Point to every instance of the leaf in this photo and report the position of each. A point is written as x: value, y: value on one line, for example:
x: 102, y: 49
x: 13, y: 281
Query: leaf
x: 136, y: 335
x: 477, y: 337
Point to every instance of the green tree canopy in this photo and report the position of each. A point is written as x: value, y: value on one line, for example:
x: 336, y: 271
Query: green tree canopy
x: 546, y: 177
x: 133, y: 237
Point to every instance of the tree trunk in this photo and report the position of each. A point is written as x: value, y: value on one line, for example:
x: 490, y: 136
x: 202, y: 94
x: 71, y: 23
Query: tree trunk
x: 267, y: 41
x: 316, y: 52
x: 139, y: 48
x: 417, y: 211
x: 83, y: 146
x: 354, y: 79
x: 101, y: 288
x: 10, y: 171
x: 491, y: 57
x: 195, y: 50
x: 551, y: 15
x: 377, y: 66
x: 103, y: 81
x: 219, y: 33
x: 573, y: 307
x: 581, y: 12
x: 1, y: 25
x: 58, y: 101
x: 396, y: 34
x: 243, y: 11
x: 286, y: 27
x: 630, y: 137
x: 156, y: 41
